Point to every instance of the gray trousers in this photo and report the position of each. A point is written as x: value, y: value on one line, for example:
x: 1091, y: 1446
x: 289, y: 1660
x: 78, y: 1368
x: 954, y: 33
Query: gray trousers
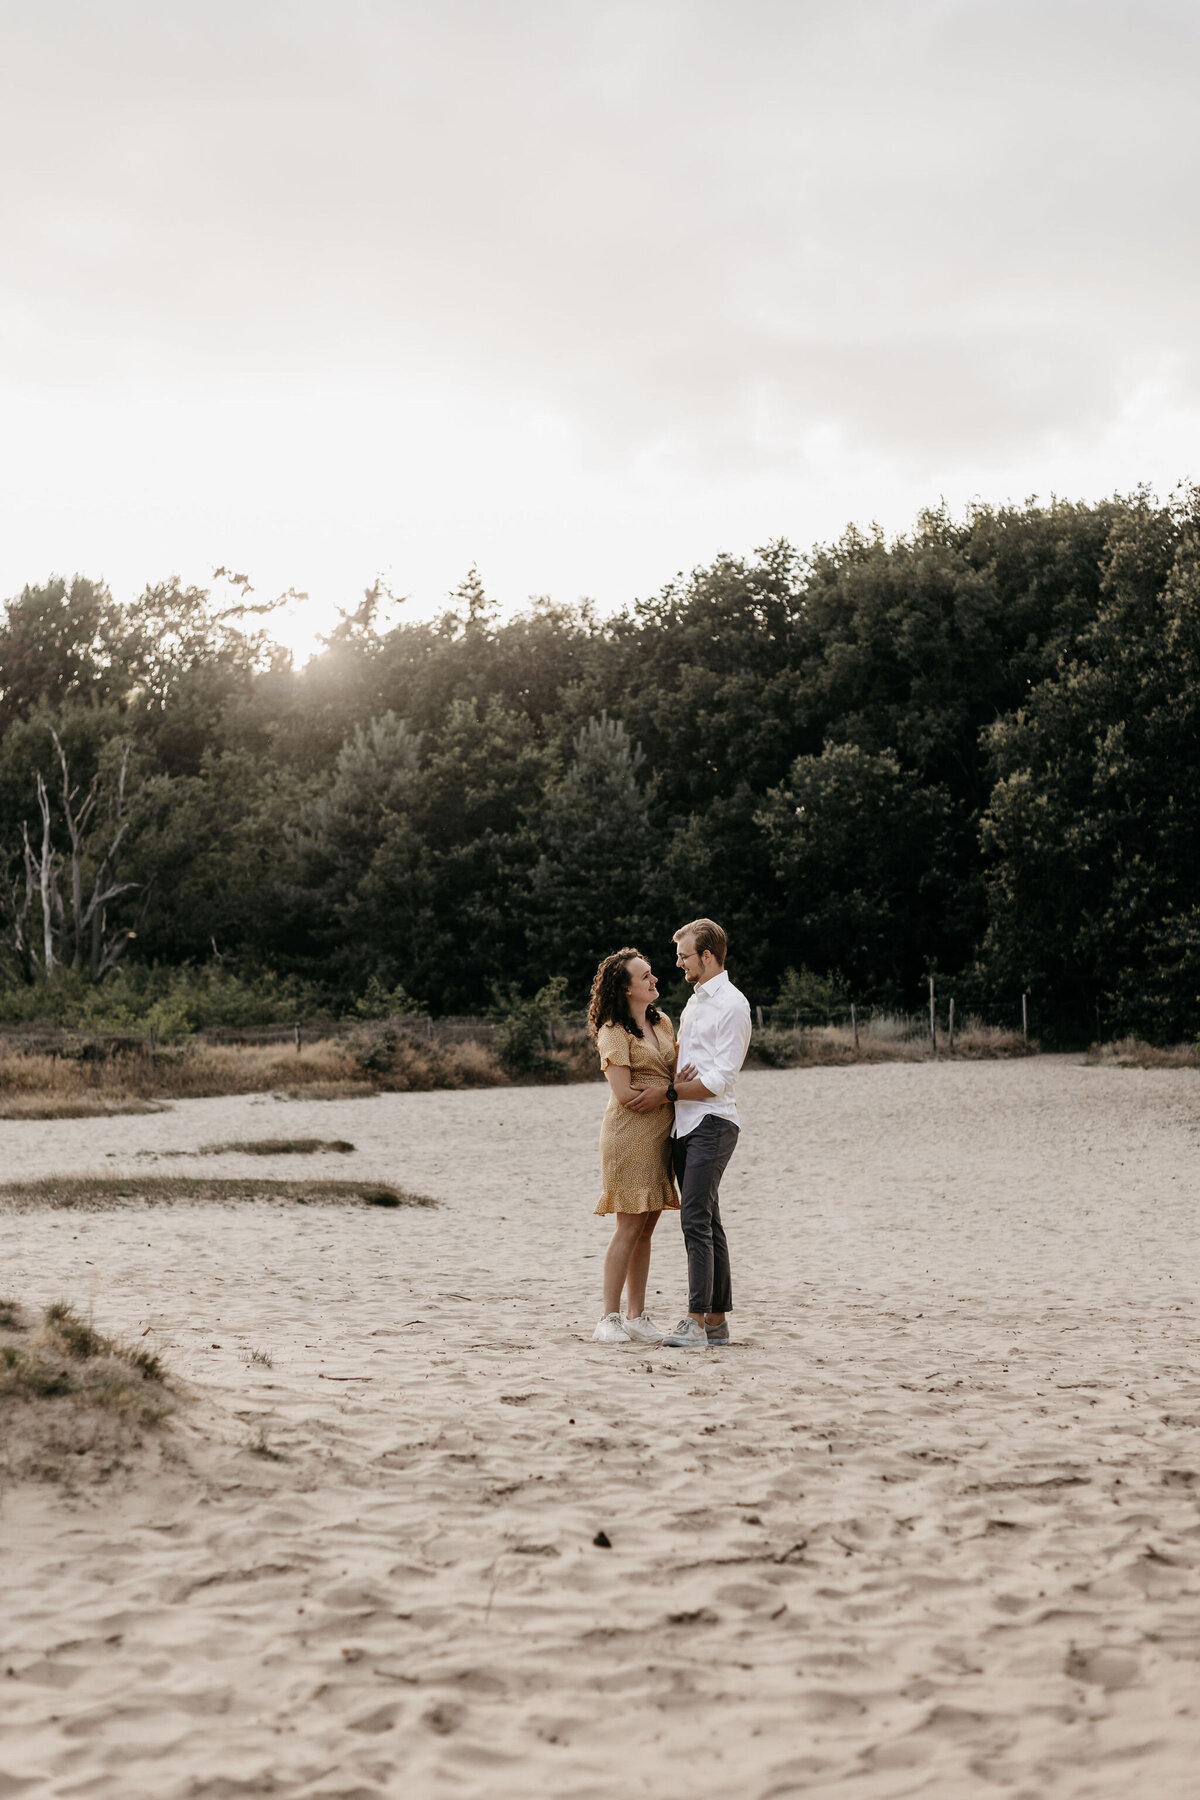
x: 700, y: 1160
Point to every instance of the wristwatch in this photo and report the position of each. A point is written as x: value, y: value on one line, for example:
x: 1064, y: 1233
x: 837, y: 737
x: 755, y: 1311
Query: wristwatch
x: 672, y: 1095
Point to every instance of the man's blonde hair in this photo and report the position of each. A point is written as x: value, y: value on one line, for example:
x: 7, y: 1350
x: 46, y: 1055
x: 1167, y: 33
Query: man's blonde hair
x: 706, y: 934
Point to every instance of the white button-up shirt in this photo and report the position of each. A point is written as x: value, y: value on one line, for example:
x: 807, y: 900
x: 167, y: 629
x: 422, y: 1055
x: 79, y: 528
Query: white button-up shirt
x: 714, y: 1035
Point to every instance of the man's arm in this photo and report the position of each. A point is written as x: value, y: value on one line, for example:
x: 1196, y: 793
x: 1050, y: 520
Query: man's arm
x: 646, y: 1099
x: 715, y: 1075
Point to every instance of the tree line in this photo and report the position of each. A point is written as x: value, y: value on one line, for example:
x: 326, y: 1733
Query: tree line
x: 972, y: 751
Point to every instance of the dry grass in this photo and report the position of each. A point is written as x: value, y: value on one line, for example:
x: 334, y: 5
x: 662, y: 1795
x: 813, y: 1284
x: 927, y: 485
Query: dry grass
x: 331, y: 1090
x: 98, y: 1193
x: 418, y: 1067
x: 1135, y: 1053
x: 372, y: 1060
x: 274, y: 1147
x: 53, y: 1105
x: 35, y: 1085
x: 992, y: 1041
x: 71, y: 1399
x: 834, y: 1046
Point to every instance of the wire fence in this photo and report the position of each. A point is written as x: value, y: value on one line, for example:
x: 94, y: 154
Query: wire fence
x: 939, y: 1024
x: 79, y: 1041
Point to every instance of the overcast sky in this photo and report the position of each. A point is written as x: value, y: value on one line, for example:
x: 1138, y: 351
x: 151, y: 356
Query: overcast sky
x: 578, y: 291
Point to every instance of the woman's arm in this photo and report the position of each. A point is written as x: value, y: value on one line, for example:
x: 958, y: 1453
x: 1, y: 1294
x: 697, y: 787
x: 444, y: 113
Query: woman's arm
x: 620, y: 1081
x: 683, y: 1081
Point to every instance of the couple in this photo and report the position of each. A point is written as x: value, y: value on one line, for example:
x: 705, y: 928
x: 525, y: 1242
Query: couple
x: 671, y: 1118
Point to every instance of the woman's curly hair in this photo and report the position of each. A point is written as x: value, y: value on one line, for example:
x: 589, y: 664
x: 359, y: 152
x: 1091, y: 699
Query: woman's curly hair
x: 609, y: 1004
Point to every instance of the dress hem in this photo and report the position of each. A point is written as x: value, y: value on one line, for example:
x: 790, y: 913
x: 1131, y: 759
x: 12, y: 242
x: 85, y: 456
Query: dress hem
x: 623, y: 1206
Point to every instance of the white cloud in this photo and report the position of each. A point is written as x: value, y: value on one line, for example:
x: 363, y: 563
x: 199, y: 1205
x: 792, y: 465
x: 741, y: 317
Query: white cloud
x: 582, y: 292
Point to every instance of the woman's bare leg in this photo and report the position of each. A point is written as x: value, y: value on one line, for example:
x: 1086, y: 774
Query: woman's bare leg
x: 627, y: 1232
x: 639, y: 1267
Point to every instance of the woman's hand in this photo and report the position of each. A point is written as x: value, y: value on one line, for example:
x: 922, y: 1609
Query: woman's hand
x: 646, y: 1099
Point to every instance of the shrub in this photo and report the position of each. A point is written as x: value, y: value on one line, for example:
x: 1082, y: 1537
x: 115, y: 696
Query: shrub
x: 378, y: 1002
x: 812, y: 998
x: 175, y: 1001
x: 774, y: 1048
x: 523, y: 1040
x: 373, y: 1047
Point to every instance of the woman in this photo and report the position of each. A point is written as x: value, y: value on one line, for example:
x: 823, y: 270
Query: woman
x: 637, y: 1050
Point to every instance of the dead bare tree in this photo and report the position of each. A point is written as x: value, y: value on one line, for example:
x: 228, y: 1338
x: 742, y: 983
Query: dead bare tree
x: 20, y: 905
x: 47, y: 884
x: 88, y: 921
x: 44, y: 867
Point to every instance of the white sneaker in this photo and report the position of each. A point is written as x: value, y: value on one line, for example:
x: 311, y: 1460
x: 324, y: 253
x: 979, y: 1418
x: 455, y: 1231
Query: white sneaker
x: 643, y: 1330
x: 611, y: 1330
x: 687, y: 1335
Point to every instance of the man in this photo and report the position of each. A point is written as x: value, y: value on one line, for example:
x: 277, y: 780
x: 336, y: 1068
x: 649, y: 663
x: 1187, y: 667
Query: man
x: 714, y: 1035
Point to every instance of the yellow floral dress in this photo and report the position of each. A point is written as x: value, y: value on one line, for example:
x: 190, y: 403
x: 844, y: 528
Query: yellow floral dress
x: 635, y: 1148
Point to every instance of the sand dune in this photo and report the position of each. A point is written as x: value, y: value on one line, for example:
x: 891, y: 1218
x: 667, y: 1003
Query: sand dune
x: 931, y: 1527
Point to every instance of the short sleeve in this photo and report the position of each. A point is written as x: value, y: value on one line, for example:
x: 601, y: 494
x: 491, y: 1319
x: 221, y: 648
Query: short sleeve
x: 613, y: 1045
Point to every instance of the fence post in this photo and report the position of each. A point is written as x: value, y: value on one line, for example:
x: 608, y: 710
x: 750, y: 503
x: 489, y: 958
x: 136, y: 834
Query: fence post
x: 854, y: 1026
x: 758, y: 1011
x: 429, y: 1027
x: 950, y: 1041
x: 297, y: 1030
x: 932, y: 1019
x: 152, y: 1043
x: 1025, y: 1015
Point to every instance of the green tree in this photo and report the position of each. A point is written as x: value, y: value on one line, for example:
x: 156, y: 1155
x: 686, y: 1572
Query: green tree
x: 1093, y: 822
x: 59, y: 642
x: 589, y: 885
x: 861, y: 849
x: 428, y: 886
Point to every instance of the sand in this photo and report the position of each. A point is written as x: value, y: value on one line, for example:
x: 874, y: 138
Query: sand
x: 930, y: 1527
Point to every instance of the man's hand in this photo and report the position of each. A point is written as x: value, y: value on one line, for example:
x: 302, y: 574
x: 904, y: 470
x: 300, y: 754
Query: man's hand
x: 687, y: 1072
x: 646, y: 1099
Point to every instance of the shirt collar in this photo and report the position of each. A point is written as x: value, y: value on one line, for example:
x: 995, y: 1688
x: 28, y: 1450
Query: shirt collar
x: 708, y: 988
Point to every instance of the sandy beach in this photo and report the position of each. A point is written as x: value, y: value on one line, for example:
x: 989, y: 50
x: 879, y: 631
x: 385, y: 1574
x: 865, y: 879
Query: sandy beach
x: 930, y: 1527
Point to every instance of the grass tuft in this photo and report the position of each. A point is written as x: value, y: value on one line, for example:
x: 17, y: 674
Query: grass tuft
x: 74, y: 1402
x: 332, y: 1090
x: 260, y: 1447
x: 48, y: 1361
x: 73, y: 1106
x: 1136, y: 1053
x: 101, y: 1192
x: 76, y: 1336
x: 262, y: 1356
x: 279, y: 1147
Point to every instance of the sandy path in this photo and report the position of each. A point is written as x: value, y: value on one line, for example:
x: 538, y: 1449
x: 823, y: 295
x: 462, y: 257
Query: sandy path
x: 931, y: 1528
